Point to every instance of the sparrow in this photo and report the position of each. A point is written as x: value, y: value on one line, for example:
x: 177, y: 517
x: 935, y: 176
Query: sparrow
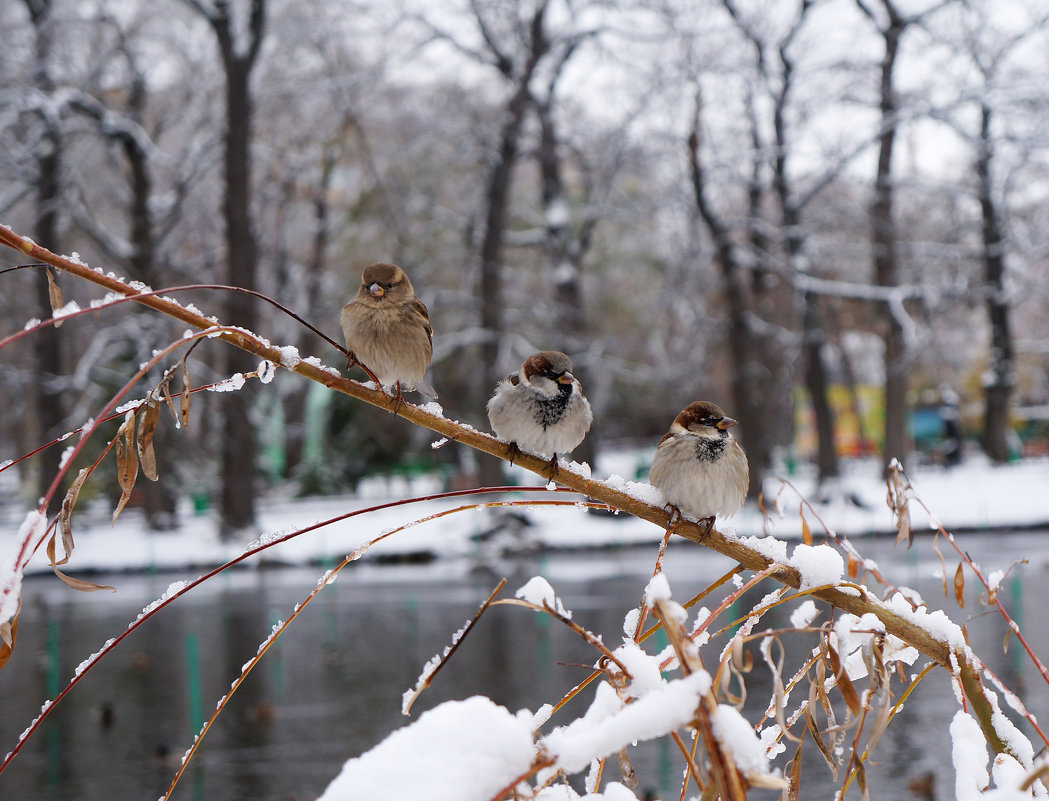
x: 541, y: 408
x: 388, y: 331
x: 699, y: 467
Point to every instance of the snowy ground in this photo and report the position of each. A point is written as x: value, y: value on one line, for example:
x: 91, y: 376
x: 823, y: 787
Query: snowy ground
x: 972, y: 496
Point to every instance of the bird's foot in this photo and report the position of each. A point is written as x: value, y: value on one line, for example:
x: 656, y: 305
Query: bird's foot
x: 553, y: 467
x: 710, y: 525
x: 512, y: 452
x: 351, y: 359
x: 675, y: 515
x: 398, y: 398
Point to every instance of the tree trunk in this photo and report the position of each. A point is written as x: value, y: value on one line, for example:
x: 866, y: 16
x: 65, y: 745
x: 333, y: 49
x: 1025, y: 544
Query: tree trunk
x: 564, y: 256
x: 886, y: 261
x: 746, y: 367
x: 237, y: 509
x: 1001, y: 370
x: 497, y: 198
x: 47, y: 344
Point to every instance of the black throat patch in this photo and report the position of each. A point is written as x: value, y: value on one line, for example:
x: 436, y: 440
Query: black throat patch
x: 549, y: 411
x: 709, y: 449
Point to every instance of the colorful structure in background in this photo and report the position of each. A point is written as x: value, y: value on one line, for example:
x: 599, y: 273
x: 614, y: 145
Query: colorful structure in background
x: 939, y: 425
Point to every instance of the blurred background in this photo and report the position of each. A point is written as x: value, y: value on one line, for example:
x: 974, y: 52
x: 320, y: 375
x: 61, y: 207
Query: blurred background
x: 829, y: 217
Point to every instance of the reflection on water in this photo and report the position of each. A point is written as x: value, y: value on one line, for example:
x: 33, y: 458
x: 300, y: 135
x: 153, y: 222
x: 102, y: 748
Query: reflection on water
x: 331, y: 687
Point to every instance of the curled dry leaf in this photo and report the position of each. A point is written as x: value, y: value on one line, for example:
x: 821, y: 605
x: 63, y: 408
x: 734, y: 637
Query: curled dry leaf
x: 8, y: 633
x: 853, y: 566
x: 959, y: 585
x: 147, y: 425
x: 184, y: 402
x: 903, y: 525
x: 806, y: 532
x: 164, y: 390
x: 65, y: 515
x: 844, y: 683
x: 54, y: 294
x: 795, y: 775
x: 127, y: 462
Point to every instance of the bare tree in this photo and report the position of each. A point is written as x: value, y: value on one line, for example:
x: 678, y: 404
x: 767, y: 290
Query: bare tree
x: 238, y: 60
x: 749, y: 393
x: 778, y: 79
x: 47, y: 156
x: 989, y: 46
x: 891, y: 24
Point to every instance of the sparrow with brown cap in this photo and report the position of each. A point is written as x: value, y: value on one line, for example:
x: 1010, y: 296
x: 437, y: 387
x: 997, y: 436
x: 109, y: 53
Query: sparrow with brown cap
x: 541, y: 408
x: 699, y: 467
x: 387, y: 330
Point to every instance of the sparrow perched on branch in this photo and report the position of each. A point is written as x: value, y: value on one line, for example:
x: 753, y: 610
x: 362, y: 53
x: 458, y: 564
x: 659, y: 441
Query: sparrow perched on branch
x: 388, y: 331
x: 699, y: 467
x: 541, y: 408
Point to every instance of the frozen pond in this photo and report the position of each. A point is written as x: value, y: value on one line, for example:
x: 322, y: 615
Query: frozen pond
x: 331, y: 687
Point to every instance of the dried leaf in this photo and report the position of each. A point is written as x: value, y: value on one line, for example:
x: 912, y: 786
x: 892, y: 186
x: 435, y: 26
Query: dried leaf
x: 903, y: 525
x: 80, y: 584
x: 810, y: 725
x: 861, y: 779
x: 848, y: 692
x: 959, y: 585
x: 795, y: 776
x: 54, y: 294
x: 67, y: 512
x: 127, y: 462
x: 943, y: 564
x: 147, y: 426
x: 806, y: 532
x: 853, y: 566
x: 184, y: 402
x: 626, y: 769
x: 164, y: 389
x: 8, y: 634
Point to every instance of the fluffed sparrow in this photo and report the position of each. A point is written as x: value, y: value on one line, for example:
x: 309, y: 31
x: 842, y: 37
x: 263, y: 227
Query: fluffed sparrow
x: 699, y: 467
x: 541, y: 408
x: 388, y: 331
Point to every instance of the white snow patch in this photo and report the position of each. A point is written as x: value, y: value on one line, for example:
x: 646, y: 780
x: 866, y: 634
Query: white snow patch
x: 802, y: 616
x: 266, y: 371
x: 537, y: 590
x: 231, y: 384
x: 289, y: 356
x: 458, y: 751
x: 818, y: 565
x: 738, y: 738
x: 658, y: 589
x: 33, y: 526
x: 642, y: 666
x: 653, y: 715
x: 64, y: 311
x: 969, y: 754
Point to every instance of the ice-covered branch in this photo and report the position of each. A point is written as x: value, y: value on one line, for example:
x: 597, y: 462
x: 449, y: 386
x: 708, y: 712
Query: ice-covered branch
x: 932, y: 634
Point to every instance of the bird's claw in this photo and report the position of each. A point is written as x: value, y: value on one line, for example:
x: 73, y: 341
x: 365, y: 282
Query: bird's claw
x: 512, y: 452
x: 553, y: 467
x: 398, y: 398
x: 675, y: 515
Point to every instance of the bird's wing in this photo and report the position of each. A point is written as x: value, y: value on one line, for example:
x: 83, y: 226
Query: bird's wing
x: 419, y: 308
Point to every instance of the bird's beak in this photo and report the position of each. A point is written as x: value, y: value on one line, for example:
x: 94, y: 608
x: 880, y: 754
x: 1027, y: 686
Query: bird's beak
x: 726, y: 422
x: 376, y: 290
x: 566, y: 378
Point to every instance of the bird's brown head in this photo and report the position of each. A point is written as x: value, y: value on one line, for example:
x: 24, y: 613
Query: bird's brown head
x: 385, y: 283
x: 550, y: 371
x: 703, y: 417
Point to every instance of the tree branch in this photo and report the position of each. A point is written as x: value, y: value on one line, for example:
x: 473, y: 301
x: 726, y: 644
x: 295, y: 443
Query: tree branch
x: 848, y: 597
